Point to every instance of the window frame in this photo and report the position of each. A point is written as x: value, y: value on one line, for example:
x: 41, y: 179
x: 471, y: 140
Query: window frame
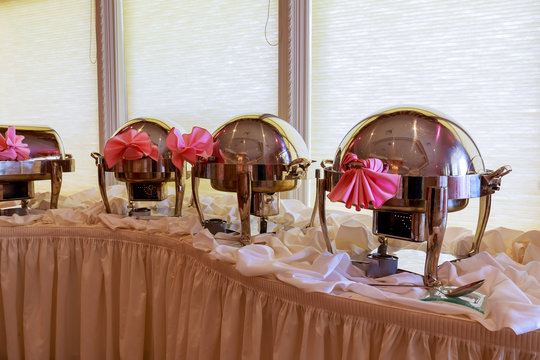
x: 112, y: 99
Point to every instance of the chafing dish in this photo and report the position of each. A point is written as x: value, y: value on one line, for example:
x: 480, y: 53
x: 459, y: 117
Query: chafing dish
x: 146, y: 179
x: 257, y: 156
x: 441, y: 169
x: 47, y: 162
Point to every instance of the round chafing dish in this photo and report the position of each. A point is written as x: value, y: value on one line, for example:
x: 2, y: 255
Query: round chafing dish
x: 257, y: 156
x: 146, y: 179
x: 48, y: 161
x: 441, y: 169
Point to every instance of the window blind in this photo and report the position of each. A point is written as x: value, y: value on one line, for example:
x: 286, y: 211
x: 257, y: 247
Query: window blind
x: 200, y: 62
x: 48, y: 78
x: 475, y: 61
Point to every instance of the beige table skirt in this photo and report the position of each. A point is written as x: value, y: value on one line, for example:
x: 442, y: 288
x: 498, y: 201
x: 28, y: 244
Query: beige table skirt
x: 95, y: 293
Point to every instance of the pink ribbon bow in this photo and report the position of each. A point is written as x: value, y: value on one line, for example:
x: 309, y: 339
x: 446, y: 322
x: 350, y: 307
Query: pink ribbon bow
x: 217, y: 153
x: 360, y: 185
x: 12, y: 147
x: 129, y: 145
x: 189, y: 147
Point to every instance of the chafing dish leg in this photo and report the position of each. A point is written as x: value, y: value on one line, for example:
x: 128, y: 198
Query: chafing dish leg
x: 24, y: 210
x: 131, y: 207
x: 315, y: 207
x: 101, y: 180
x: 436, y: 215
x: 491, y: 182
x: 483, y: 216
x: 321, y: 197
x: 24, y: 204
x: 188, y: 174
x: 244, y: 205
x: 179, y: 187
x: 263, y: 225
x: 195, y: 195
x: 195, y: 181
x: 103, y: 188
x: 56, y: 183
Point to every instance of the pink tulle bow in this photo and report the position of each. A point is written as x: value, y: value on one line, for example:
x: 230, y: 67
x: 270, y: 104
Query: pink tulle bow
x: 129, y: 145
x: 361, y: 185
x: 189, y: 147
x: 12, y: 147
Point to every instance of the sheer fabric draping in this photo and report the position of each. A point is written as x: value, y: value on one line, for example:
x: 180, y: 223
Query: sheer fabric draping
x: 94, y: 293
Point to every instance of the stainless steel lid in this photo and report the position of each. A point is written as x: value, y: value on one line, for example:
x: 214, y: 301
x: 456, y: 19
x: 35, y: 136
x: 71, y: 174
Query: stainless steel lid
x: 46, y: 148
x: 426, y: 148
x: 259, y: 139
x: 43, y: 142
x: 413, y: 142
x: 271, y: 150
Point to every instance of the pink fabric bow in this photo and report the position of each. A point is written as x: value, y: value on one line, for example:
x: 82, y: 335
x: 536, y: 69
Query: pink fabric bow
x: 12, y: 147
x: 217, y: 153
x: 359, y: 186
x: 129, y: 145
x: 189, y: 147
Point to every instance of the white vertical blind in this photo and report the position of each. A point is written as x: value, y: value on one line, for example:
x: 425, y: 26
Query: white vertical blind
x: 48, y: 79
x: 475, y: 61
x: 200, y: 62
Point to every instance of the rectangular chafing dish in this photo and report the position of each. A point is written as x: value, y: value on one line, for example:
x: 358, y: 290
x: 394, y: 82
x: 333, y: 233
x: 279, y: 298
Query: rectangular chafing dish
x: 47, y: 162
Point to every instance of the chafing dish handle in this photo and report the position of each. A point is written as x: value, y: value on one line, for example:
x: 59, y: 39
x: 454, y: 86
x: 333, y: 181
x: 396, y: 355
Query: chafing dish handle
x: 299, y: 166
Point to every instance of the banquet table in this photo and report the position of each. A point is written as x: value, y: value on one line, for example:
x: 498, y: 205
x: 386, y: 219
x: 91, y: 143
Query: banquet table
x: 95, y: 292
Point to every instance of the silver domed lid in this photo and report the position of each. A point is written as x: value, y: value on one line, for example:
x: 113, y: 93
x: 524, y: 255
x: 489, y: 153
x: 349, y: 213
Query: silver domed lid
x: 259, y: 139
x: 43, y: 141
x: 157, y: 130
x: 413, y: 142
